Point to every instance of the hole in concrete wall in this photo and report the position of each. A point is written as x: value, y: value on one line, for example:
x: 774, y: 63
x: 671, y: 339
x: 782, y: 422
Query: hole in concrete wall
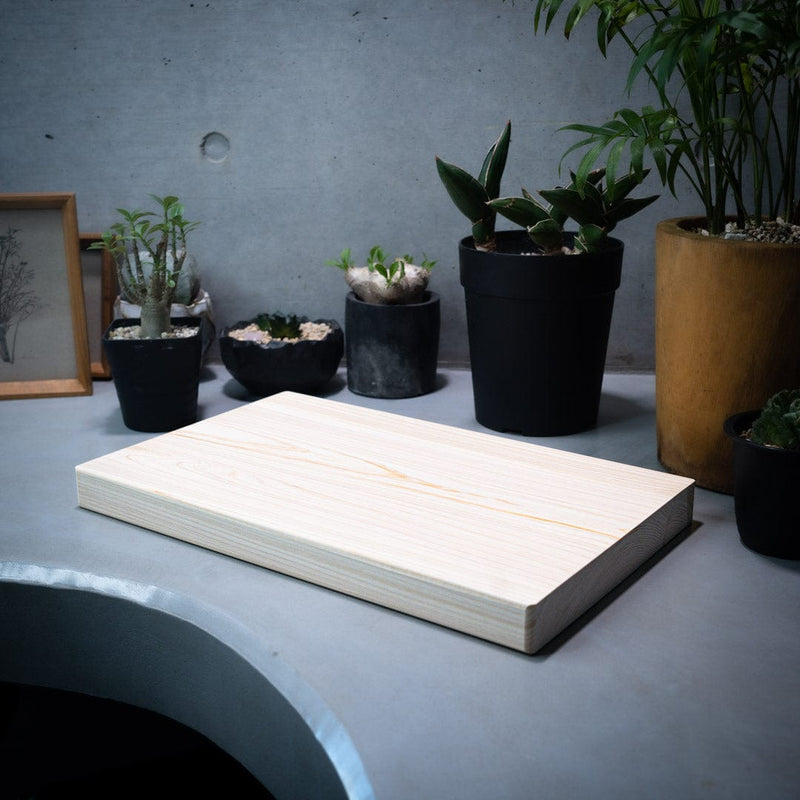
x: 215, y: 147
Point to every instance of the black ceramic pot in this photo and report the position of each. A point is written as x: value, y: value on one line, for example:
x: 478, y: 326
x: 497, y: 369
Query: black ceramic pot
x: 392, y: 350
x: 156, y: 379
x: 265, y: 369
x: 538, y: 332
x: 765, y: 483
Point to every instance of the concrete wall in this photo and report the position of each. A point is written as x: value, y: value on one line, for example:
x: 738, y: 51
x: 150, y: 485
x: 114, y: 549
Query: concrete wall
x: 320, y: 120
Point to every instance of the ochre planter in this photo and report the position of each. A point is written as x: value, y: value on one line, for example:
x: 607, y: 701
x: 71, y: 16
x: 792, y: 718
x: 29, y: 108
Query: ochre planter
x: 727, y: 338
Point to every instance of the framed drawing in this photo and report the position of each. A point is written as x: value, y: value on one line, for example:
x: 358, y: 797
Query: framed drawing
x: 43, y: 344
x: 99, y: 290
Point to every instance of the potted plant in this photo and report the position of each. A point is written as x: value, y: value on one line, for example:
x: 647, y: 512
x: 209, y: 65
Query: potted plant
x: 766, y: 460
x: 155, y: 360
x: 392, y: 325
x: 275, y: 352
x: 539, y: 300
x: 190, y: 299
x: 727, y: 80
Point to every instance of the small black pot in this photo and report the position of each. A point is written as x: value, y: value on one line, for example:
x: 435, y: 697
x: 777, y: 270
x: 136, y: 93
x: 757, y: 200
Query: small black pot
x: 765, y: 483
x: 265, y: 369
x: 156, y: 379
x: 538, y: 331
x: 392, y: 350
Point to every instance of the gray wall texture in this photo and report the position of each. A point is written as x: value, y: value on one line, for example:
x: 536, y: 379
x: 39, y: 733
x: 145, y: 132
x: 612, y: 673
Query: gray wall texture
x: 295, y: 128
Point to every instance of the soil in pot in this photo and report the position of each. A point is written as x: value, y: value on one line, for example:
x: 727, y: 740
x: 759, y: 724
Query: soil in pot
x: 264, y: 365
x: 765, y: 483
x: 156, y: 380
x: 538, y: 332
x: 392, y: 350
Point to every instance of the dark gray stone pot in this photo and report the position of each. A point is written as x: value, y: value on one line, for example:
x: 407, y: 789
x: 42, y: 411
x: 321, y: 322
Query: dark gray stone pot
x: 265, y: 369
x: 392, y: 350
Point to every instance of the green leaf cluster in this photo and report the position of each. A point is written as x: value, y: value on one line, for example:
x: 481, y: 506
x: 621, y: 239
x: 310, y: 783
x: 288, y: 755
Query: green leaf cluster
x: 594, y: 204
x: 472, y: 195
x: 778, y: 425
x: 160, y: 238
x: 727, y: 76
x: 280, y: 326
x: 390, y: 269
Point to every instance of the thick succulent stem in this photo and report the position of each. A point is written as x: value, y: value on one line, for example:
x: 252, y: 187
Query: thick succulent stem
x: 155, y: 318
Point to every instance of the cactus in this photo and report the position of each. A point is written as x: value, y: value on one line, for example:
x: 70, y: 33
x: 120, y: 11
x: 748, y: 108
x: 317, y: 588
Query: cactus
x: 595, y: 206
x: 138, y: 240
x: 280, y: 326
x: 778, y: 425
x: 471, y: 195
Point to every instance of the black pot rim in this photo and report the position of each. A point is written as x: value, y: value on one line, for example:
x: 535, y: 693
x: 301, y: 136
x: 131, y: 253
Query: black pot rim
x: 274, y: 344
x: 527, y: 276
x: 736, y: 424
x: 430, y: 298
x: 181, y: 322
x: 611, y: 245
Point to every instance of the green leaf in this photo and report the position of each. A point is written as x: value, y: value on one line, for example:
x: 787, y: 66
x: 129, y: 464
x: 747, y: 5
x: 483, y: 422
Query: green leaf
x: 494, y: 163
x: 547, y: 234
x: 466, y: 192
x: 522, y: 211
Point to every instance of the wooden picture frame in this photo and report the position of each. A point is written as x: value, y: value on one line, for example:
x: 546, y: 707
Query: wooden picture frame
x: 100, y: 291
x: 44, y: 349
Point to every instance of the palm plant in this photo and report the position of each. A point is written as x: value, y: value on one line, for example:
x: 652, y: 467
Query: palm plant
x: 727, y: 75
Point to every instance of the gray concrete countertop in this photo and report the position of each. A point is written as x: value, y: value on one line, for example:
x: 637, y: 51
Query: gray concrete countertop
x: 683, y: 682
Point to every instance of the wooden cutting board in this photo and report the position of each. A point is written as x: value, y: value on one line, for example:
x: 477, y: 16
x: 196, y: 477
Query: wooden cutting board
x: 499, y: 538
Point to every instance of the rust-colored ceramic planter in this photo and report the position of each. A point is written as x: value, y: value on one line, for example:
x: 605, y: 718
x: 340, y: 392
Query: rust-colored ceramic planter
x: 727, y: 338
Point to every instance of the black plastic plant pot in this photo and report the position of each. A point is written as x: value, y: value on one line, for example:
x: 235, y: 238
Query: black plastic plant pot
x: 538, y: 330
x: 765, y: 482
x: 156, y: 380
x: 264, y: 369
x: 392, y: 350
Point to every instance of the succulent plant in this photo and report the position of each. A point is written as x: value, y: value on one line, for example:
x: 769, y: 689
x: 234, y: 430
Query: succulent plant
x: 472, y: 195
x: 384, y: 279
x: 778, y: 425
x: 280, y: 326
x: 596, y: 206
x: 149, y: 249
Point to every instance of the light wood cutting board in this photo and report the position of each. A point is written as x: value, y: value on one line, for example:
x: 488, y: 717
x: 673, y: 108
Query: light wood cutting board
x: 499, y: 538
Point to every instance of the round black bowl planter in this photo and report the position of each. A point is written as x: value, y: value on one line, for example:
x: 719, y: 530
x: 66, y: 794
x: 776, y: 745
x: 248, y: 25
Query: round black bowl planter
x: 538, y: 332
x: 392, y: 350
x: 156, y: 379
x: 278, y: 366
x: 765, y: 482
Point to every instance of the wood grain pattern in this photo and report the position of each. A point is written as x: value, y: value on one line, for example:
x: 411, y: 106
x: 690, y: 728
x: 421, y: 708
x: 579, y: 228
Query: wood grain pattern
x: 499, y: 538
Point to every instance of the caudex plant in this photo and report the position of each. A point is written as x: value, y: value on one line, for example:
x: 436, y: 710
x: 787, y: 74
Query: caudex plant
x: 596, y: 203
x: 387, y: 280
x: 149, y: 249
x: 778, y: 425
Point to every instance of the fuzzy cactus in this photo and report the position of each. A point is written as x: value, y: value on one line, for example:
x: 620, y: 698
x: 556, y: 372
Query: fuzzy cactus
x: 778, y: 425
x: 149, y: 249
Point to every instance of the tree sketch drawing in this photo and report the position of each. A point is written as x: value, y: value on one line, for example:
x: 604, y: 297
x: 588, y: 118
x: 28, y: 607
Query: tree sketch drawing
x: 17, y: 300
